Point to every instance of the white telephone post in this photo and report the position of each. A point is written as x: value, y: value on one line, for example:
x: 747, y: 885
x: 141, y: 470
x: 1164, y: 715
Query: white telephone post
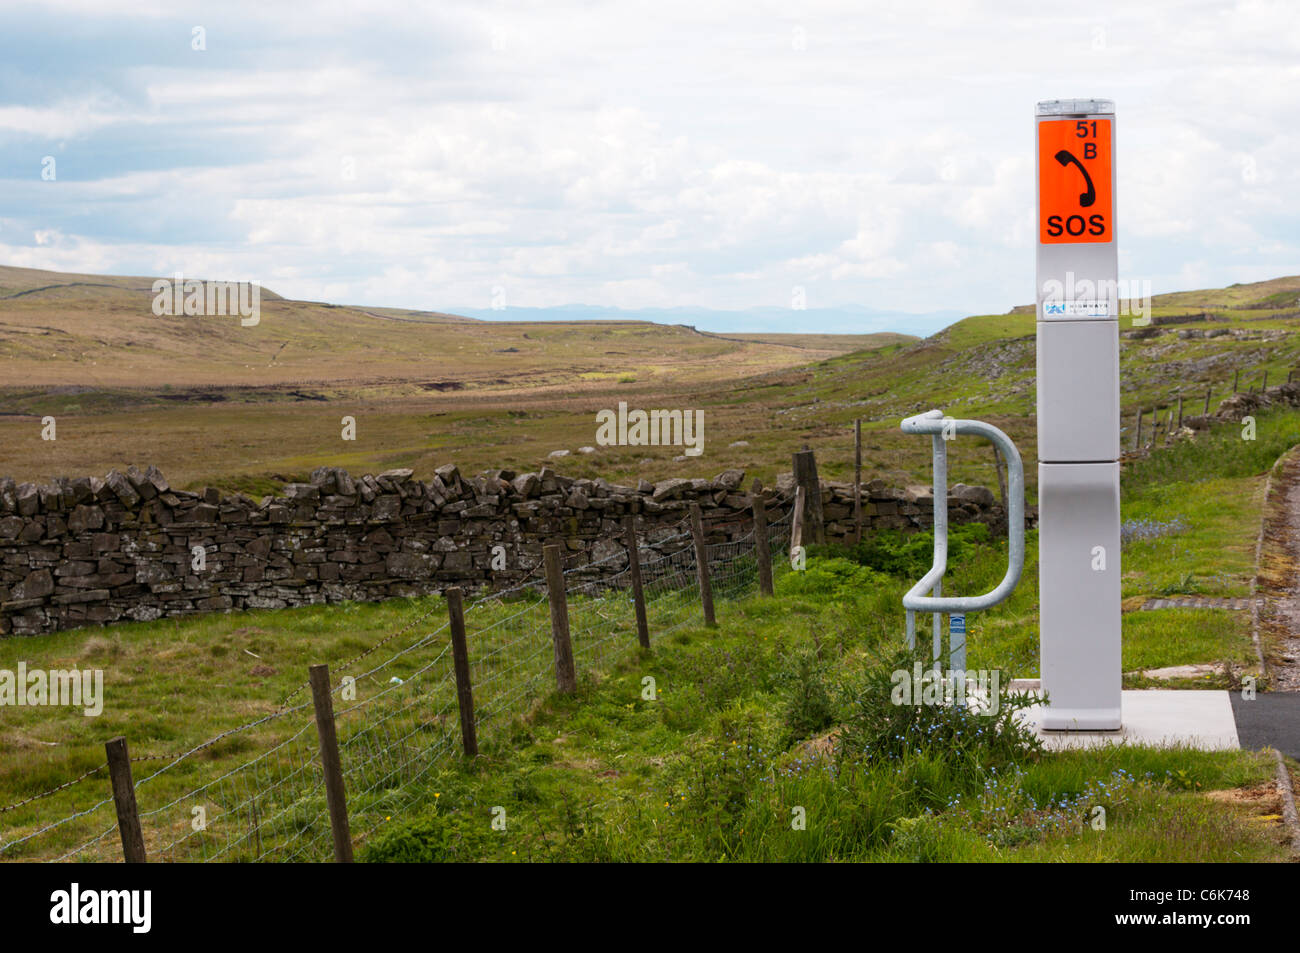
x: 1078, y: 415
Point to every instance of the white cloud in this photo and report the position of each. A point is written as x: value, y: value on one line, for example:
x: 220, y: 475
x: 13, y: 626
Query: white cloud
x: 705, y: 154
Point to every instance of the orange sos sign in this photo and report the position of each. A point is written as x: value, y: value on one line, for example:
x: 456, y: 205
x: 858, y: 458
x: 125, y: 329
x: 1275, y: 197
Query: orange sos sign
x: 1075, y: 203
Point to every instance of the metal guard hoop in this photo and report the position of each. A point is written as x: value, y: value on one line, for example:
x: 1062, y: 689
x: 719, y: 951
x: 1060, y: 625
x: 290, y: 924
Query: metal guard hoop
x: 933, y: 422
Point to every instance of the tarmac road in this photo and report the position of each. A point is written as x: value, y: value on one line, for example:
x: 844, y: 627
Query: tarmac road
x: 1272, y: 719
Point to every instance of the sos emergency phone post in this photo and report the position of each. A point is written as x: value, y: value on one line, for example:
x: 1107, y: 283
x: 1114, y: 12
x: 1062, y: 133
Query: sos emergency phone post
x: 1078, y: 415
x: 1077, y: 302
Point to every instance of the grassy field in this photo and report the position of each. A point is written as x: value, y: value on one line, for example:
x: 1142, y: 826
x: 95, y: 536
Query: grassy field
x: 249, y: 409
x: 99, y: 334
x: 718, y: 767
x: 174, y: 684
x: 608, y: 774
x: 764, y: 713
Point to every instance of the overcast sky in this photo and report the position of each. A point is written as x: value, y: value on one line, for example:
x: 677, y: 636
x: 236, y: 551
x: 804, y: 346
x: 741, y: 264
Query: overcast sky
x: 698, y: 154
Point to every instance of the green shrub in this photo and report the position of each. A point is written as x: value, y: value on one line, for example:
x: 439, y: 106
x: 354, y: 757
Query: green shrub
x: 880, y: 729
x: 906, y: 555
x: 429, y: 838
x: 807, y: 704
x: 835, y: 577
x: 1216, y: 453
x: 922, y: 840
x: 718, y: 676
x: 723, y: 775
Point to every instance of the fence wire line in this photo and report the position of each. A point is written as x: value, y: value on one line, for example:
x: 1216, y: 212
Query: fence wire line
x: 539, y: 568
x: 496, y: 595
x: 173, y: 759
x: 275, y: 798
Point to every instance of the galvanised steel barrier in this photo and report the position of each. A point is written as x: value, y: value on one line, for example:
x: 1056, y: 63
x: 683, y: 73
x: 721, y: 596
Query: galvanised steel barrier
x: 942, y: 429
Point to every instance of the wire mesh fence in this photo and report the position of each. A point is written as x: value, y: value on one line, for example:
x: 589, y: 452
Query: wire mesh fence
x: 257, y: 792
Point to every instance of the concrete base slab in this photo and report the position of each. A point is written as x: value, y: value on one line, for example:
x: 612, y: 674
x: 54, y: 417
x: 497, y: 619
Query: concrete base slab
x: 1197, y: 719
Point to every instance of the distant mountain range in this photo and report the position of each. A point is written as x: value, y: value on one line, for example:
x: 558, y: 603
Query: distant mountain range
x: 850, y: 319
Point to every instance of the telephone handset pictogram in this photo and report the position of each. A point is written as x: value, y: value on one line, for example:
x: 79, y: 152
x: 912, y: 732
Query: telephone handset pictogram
x: 1065, y: 157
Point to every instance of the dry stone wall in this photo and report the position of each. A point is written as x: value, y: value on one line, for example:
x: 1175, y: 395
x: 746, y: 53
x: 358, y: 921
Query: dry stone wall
x: 85, y: 551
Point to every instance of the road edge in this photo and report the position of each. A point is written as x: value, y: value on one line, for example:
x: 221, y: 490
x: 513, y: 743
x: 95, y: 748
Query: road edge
x: 1265, y: 517
x: 1286, y: 790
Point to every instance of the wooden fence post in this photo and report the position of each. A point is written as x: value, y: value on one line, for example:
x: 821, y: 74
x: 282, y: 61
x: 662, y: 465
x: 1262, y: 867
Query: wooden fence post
x: 460, y: 661
x: 796, y: 522
x: 1002, y: 474
x: 1137, y: 433
x: 1180, y: 411
x: 566, y: 679
x: 857, y: 480
x: 1264, y: 383
x: 638, y: 591
x: 761, y: 548
x: 805, y: 476
x: 1236, y: 377
x: 1206, y: 411
x: 128, y: 815
x: 702, y: 564
x: 332, y: 766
